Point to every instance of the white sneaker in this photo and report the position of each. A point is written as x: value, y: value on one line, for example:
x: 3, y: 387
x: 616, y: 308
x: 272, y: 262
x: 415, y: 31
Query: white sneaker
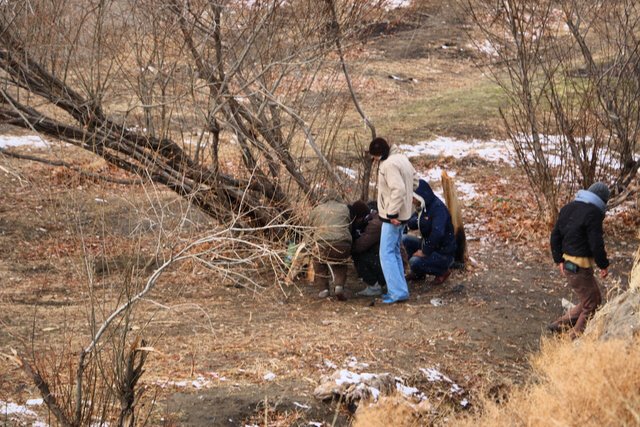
x: 324, y: 293
x: 371, y: 291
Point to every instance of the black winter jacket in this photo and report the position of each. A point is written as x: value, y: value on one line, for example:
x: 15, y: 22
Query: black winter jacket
x: 578, y: 232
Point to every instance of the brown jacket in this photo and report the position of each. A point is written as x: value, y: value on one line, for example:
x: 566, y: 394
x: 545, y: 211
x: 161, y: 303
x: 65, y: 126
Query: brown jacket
x: 370, y: 236
x: 331, y: 222
x: 396, y: 181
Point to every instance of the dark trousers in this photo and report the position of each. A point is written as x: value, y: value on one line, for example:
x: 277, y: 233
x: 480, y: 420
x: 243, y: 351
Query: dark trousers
x: 585, y: 286
x: 368, y: 266
x: 334, y: 256
x: 435, y: 263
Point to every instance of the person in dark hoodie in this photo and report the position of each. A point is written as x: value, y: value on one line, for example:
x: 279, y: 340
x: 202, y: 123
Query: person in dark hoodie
x: 433, y: 252
x: 366, y: 228
x: 577, y: 246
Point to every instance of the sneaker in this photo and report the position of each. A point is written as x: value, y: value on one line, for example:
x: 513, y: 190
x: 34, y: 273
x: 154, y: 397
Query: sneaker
x: 439, y: 280
x: 386, y: 299
x: 324, y: 293
x: 339, y: 291
x: 371, y: 291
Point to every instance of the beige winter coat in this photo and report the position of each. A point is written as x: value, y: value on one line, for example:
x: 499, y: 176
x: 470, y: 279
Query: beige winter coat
x: 331, y: 222
x: 396, y: 181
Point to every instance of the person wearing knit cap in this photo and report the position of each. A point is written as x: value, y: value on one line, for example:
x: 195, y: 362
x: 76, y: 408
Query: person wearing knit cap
x: 396, y: 181
x: 577, y: 246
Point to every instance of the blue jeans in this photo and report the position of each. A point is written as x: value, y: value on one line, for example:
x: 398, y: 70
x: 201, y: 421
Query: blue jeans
x: 391, y: 260
x: 435, y: 263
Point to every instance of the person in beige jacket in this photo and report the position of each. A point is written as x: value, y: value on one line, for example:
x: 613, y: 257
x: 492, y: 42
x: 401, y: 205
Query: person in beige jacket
x: 396, y: 181
x: 331, y: 246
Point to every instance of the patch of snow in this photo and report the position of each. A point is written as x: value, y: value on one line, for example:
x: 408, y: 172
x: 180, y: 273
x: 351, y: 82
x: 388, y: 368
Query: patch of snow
x: 39, y: 424
x: 301, y: 405
x: 18, y: 141
x: 492, y: 150
x: 487, y: 48
x: 269, y: 376
x: 433, y: 375
x: 315, y: 424
x: 406, y: 390
x: 329, y: 364
x: 436, y: 302
x: 10, y: 408
x: 35, y: 402
x: 464, y: 403
x: 349, y: 172
x: 396, y: 4
x: 99, y: 200
x: 353, y: 363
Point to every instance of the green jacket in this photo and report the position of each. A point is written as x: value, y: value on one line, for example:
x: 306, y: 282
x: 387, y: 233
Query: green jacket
x: 330, y: 221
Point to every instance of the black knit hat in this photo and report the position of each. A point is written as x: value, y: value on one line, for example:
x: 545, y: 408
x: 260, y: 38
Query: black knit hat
x: 379, y: 147
x: 358, y: 209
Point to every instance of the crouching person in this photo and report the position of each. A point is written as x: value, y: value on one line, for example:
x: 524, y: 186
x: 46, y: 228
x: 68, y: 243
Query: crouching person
x: 331, y: 246
x: 577, y: 245
x: 433, y: 252
x: 366, y: 228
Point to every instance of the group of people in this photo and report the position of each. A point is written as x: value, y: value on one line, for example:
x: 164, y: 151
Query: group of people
x: 374, y: 235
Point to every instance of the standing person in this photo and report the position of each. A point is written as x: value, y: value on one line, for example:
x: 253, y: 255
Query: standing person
x: 577, y: 245
x: 433, y: 253
x: 331, y: 246
x: 366, y: 228
x: 396, y: 181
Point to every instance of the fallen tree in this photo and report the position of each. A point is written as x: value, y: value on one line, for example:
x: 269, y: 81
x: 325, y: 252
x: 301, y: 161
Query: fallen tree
x: 132, y: 81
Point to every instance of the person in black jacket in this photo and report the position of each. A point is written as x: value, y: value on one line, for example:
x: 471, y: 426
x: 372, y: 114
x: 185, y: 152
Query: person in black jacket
x: 433, y: 252
x: 366, y: 227
x: 577, y: 246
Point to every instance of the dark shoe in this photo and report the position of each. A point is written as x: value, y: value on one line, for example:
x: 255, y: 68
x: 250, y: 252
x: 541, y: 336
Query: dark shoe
x: 412, y: 276
x: 439, y: 280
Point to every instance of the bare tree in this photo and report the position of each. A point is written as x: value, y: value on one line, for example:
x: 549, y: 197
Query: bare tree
x: 568, y: 70
x: 219, y: 100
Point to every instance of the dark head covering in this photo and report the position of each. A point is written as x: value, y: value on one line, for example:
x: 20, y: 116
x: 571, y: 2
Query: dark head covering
x: 601, y: 190
x: 379, y: 147
x: 359, y: 209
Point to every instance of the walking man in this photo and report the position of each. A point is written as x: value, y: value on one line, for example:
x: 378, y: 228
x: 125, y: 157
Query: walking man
x: 396, y: 181
x: 577, y: 245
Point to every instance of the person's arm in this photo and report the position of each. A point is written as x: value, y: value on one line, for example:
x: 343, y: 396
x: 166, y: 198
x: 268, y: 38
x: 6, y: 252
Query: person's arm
x: 369, y: 237
x: 413, y: 222
x: 595, y: 235
x: 556, y: 244
x: 397, y: 192
x: 438, y: 225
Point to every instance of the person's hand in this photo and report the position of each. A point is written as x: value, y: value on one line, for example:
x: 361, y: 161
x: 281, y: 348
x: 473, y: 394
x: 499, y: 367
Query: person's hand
x: 604, y: 273
x: 395, y: 221
x: 562, y: 268
x: 418, y: 253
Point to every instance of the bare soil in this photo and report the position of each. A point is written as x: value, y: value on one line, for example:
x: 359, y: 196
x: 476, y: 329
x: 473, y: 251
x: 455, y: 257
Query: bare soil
x: 491, y: 318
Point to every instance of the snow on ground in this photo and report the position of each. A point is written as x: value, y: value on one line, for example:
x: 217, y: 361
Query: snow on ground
x: 491, y: 150
x: 36, y: 141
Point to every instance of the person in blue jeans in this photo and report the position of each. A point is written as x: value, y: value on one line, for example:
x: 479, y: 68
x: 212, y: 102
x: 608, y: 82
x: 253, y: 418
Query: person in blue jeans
x: 433, y: 252
x: 396, y: 181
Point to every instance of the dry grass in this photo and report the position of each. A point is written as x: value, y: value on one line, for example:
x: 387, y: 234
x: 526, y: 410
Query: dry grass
x: 586, y: 383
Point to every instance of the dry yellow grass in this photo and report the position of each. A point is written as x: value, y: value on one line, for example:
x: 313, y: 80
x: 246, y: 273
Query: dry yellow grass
x: 583, y: 383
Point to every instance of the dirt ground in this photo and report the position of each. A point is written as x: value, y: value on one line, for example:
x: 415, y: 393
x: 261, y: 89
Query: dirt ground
x: 228, y: 355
